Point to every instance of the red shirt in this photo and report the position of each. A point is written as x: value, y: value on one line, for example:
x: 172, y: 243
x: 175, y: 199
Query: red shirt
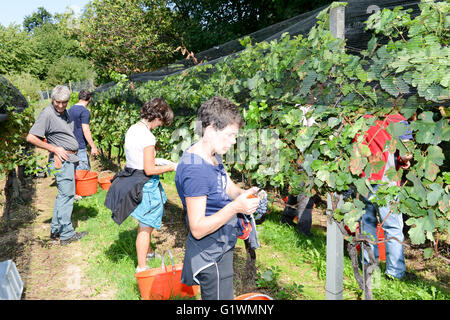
x: 375, y: 138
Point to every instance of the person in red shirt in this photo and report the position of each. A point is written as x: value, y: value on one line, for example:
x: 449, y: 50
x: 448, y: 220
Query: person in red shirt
x: 375, y: 138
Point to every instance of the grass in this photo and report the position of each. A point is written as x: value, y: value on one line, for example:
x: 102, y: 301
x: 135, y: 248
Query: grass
x: 289, y: 265
x: 113, y: 257
x: 113, y: 254
x: 303, y: 260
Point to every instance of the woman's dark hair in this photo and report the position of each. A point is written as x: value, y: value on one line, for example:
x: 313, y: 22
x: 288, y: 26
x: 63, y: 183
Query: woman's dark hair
x: 157, y: 108
x: 219, y: 112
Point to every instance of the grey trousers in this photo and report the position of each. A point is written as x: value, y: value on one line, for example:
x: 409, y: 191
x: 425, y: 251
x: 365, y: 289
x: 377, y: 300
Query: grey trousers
x: 216, y: 281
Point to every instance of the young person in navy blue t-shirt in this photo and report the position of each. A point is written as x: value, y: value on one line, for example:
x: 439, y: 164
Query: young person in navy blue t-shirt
x: 211, y: 201
x: 82, y: 131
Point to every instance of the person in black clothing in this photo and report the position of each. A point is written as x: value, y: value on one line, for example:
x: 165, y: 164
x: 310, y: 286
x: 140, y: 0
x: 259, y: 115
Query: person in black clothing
x: 299, y: 207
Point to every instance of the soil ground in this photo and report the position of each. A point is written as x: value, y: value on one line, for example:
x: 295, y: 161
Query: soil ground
x: 48, y: 270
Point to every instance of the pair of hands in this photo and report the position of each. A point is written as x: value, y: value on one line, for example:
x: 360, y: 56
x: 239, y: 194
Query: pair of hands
x: 165, y: 162
x: 94, y: 151
x: 247, y: 202
x: 61, y: 153
x: 404, y: 161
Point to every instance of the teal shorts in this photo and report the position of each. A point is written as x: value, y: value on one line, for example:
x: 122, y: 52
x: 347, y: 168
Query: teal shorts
x: 150, y: 211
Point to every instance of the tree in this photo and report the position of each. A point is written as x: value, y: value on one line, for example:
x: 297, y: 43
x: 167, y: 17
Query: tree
x: 128, y: 36
x: 206, y: 23
x: 67, y: 69
x: 50, y: 51
x: 49, y: 43
x: 16, y: 52
x: 28, y: 84
x: 37, y: 19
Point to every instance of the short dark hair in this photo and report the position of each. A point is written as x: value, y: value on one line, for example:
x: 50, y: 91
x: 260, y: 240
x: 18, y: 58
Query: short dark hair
x: 219, y: 112
x: 84, y: 95
x: 157, y: 108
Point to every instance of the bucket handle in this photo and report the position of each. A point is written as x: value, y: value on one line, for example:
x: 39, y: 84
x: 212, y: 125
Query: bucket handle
x: 163, y: 266
x: 104, y: 172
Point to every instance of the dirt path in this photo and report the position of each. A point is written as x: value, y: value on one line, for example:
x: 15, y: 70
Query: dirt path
x: 49, y: 271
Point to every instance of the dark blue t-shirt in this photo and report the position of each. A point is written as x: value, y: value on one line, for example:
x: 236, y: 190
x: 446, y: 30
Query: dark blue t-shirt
x: 79, y: 114
x: 194, y: 178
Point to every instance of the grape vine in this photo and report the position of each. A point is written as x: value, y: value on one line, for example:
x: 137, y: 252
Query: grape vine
x: 279, y: 84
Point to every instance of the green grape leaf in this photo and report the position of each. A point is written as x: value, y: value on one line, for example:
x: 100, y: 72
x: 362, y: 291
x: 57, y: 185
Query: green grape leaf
x: 421, y: 228
x: 305, y: 137
x: 433, y: 196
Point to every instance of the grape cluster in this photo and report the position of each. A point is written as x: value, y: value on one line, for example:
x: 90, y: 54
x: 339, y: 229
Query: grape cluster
x: 261, y: 211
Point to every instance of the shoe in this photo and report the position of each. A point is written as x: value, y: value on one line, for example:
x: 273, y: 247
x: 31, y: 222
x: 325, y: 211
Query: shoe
x: 77, y: 236
x: 407, y: 276
x: 143, y: 269
x: 54, y: 236
x: 390, y: 278
x: 153, y: 255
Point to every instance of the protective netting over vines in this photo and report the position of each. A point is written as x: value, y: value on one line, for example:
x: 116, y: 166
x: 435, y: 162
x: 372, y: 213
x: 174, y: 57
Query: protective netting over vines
x: 356, y: 12
x: 10, y: 96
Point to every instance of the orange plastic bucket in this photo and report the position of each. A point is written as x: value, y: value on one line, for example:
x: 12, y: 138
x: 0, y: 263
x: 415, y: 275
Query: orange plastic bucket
x: 381, y: 246
x: 105, y: 182
x: 85, y: 182
x: 158, y: 284
x: 253, y: 296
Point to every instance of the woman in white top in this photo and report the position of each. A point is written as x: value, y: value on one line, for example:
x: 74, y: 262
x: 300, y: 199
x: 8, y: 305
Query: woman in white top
x: 140, y: 154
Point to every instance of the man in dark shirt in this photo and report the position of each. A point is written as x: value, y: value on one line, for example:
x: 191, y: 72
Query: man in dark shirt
x: 82, y: 131
x: 54, y: 124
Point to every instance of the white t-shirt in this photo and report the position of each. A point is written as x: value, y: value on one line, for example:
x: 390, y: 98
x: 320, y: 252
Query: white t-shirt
x: 137, y: 138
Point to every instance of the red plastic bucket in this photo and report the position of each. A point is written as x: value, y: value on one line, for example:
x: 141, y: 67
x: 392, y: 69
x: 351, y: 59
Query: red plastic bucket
x: 381, y: 246
x: 253, y: 296
x: 155, y: 284
x: 85, y: 182
x: 105, y: 182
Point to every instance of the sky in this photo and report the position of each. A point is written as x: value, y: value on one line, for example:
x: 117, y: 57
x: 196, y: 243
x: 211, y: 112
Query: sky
x: 14, y: 11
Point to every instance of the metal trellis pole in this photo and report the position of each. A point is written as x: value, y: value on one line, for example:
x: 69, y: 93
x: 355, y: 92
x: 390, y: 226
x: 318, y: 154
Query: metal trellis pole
x: 334, y: 286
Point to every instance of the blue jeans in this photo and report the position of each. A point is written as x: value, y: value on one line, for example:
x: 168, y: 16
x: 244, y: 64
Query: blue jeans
x: 393, y: 227
x: 62, y: 210
x: 84, y: 163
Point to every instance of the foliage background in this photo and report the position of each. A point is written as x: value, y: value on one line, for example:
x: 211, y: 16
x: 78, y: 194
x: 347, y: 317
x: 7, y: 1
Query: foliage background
x: 270, y: 81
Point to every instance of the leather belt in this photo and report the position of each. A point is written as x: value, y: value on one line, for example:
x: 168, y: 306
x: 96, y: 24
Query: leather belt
x: 57, y: 160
